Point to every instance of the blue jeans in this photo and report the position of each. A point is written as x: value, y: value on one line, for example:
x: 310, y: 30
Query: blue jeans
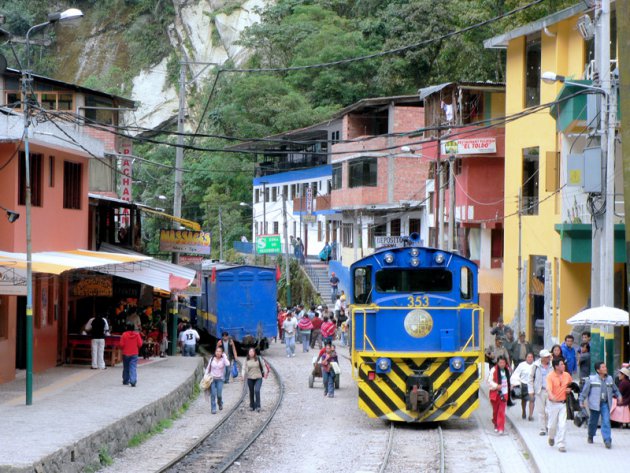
x: 289, y: 340
x: 216, y: 392
x: 329, y: 382
x: 254, y: 392
x: 130, y: 363
x: 189, y: 350
x: 335, y: 291
x: 306, y: 339
x: 227, y: 373
x: 344, y: 340
x: 594, y: 418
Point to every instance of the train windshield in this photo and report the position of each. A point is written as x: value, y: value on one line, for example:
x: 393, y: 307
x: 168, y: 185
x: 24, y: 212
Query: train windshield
x: 414, y: 280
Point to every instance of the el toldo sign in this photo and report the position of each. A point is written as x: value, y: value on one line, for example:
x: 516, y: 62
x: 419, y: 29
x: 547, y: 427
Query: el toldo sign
x: 470, y: 146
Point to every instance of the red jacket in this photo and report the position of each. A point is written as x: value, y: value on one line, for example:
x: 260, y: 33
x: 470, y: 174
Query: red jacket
x: 317, y: 323
x: 130, y: 342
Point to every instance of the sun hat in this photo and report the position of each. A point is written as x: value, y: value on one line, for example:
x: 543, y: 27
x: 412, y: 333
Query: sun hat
x: 544, y: 353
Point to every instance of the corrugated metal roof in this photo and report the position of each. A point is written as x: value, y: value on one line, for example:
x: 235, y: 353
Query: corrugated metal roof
x: 432, y: 89
x: 501, y: 41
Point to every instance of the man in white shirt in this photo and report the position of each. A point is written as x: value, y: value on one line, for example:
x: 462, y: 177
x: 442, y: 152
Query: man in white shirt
x: 188, y: 340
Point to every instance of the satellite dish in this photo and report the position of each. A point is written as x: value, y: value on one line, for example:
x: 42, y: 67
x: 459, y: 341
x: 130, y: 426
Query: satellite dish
x: 3, y: 64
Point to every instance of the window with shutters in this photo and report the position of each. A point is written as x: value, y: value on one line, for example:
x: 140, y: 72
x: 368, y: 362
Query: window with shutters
x: 72, y: 185
x: 35, y: 163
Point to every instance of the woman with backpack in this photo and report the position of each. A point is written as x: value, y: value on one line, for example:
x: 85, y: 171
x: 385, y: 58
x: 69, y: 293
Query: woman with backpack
x: 254, y: 372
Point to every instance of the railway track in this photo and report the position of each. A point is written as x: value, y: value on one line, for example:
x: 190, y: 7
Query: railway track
x: 417, y: 448
x: 225, y: 443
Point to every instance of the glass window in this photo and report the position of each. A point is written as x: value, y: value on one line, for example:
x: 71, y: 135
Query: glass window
x: 337, y: 170
x: 362, y: 172
x: 466, y: 283
x: 530, y: 181
x: 532, y: 71
x: 72, y: 185
x: 363, y: 285
x: 64, y: 102
x: 49, y: 101
x: 414, y: 280
x: 36, y: 179
x: 14, y: 99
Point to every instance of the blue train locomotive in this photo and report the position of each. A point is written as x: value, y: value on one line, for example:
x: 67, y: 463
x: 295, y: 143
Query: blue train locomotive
x: 416, y: 334
x: 240, y: 300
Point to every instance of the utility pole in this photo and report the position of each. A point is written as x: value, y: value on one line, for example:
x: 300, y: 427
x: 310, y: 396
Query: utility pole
x: 437, y: 179
x: 177, y: 194
x: 623, y: 45
x: 451, y: 191
x: 608, y: 110
x: 441, y: 185
x: 287, y: 268
x: 220, y: 236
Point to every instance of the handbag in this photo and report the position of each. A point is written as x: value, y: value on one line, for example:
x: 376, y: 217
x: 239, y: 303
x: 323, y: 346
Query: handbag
x: 234, y: 370
x: 206, y: 382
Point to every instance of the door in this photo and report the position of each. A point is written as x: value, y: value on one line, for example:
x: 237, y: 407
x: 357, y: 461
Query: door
x: 20, y: 336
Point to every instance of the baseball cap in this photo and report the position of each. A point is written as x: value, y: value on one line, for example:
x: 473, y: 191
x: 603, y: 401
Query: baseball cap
x: 544, y: 353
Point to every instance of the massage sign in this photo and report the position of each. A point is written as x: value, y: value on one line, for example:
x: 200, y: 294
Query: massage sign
x: 185, y: 241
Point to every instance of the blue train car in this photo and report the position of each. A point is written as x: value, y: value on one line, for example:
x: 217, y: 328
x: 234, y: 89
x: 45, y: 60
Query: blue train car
x: 240, y: 300
x: 416, y: 336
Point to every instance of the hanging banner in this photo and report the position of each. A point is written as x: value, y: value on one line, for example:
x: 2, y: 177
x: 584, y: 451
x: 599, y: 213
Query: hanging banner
x: 309, y: 200
x: 93, y: 286
x: 185, y: 241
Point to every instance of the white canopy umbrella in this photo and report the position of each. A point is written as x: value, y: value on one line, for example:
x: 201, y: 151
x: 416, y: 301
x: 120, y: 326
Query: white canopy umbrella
x: 602, y: 315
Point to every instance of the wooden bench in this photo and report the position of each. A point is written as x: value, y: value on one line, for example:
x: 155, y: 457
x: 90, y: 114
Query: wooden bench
x: 80, y: 350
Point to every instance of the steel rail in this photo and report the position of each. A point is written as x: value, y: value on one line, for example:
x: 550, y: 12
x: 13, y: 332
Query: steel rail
x: 258, y: 432
x: 236, y: 453
x: 442, y: 463
x: 388, y: 450
x: 228, y: 415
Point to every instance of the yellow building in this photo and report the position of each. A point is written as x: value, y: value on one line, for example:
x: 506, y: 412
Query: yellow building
x: 555, y: 222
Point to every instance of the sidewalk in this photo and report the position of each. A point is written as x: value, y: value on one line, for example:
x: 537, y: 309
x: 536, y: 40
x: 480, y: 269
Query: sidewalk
x: 77, y: 412
x: 580, y: 456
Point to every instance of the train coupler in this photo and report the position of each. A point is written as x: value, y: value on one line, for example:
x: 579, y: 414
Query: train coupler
x: 419, y: 393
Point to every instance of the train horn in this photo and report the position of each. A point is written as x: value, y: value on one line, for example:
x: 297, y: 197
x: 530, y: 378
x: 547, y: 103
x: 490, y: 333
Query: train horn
x: 414, y: 237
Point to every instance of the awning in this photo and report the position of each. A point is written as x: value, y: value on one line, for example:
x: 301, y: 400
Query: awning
x: 491, y: 281
x: 156, y: 273
x: 57, y: 262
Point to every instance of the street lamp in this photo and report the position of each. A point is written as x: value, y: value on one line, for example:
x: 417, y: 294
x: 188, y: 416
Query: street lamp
x: 69, y: 14
x: 11, y: 215
x: 551, y: 78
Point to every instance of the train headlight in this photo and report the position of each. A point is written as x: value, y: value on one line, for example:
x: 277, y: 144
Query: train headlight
x: 457, y: 364
x: 383, y: 365
x: 439, y: 258
x: 414, y: 252
x: 389, y: 258
x: 414, y: 262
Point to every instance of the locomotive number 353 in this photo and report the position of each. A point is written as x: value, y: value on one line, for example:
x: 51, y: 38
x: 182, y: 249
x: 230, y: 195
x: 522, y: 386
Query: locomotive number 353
x: 418, y: 301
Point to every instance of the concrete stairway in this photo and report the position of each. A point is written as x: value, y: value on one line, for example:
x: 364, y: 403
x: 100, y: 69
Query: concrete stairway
x: 318, y: 272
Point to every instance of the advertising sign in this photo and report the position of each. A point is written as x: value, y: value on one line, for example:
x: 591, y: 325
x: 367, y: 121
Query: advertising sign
x: 309, y: 200
x: 268, y: 244
x: 93, y: 286
x: 126, y: 166
x: 185, y: 241
x: 470, y: 146
x: 387, y: 241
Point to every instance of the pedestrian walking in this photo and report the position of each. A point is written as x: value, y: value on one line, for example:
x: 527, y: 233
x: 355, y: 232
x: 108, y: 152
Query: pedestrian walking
x: 570, y: 354
x: 229, y: 349
x: 326, y: 360
x: 98, y: 328
x: 282, y: 315
x: 163, y: 334
x: 316, y: 333
x: 556, y: 353
x: 130, y: 343
x: 520, y: 349
x: 188, y: 340
x: 254, y: 372
x: 305, y: 325
x: 216, y: 368
x: 598, y: 392
x: 537, y: 388
x: 509, y: 343
x: 558, y: 382
x: 328, y: 330
x: 493, y: 353
x: 289, y: 326
x: 620, y: 411
x: 499, y: 329
x: 499, y: 387
x: 521, y: 376
x: 334, y: 286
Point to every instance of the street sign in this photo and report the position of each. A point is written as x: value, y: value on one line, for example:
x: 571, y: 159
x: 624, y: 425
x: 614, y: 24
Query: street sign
x: 268, y: 244
x: 309, y: 218
x: 383, y: 241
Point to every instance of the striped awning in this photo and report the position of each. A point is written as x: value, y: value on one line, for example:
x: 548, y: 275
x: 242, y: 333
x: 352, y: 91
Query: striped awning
x: 57, y: 262
x: 491, y: 280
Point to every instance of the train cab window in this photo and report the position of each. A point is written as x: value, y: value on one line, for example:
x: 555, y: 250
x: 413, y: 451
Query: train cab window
x: 414, y: 280
x: 363, y: 285
x: 466, y: 283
